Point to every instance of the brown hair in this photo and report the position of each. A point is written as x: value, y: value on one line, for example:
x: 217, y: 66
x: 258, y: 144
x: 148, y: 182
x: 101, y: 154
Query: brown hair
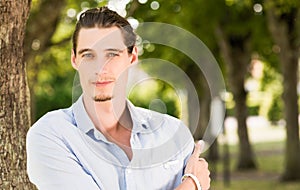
x: 103, y: 17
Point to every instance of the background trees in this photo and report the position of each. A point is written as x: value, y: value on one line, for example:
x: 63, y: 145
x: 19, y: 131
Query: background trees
x: 283, y: 22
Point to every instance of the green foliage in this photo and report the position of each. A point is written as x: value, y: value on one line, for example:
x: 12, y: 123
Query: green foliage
x: 283, y: 6
x: 156, y: 95
x: 276, y: 112
x: 53, y: 88
x: 271, y: 83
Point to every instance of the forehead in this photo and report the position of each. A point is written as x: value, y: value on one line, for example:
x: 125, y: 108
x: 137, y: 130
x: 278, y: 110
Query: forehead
x: 100, y: 38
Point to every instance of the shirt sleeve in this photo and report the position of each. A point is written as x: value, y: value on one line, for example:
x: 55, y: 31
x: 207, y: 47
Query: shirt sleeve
x: 189, y: 148
x: 51, y: 165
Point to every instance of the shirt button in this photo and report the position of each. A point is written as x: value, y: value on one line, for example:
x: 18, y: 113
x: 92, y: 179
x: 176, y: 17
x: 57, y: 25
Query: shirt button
x: 97, y: 135
x: 144, y: 126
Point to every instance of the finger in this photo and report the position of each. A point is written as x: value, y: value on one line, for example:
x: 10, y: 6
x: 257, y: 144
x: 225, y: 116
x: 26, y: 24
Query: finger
x: 202, y: 145
x: 197, y: 149
x: 204, y: 162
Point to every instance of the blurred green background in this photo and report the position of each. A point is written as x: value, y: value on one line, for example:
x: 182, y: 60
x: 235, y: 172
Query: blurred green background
x: 255, y: 42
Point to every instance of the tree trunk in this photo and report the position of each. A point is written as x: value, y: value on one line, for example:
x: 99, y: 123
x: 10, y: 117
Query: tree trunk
x: 202, y: 89
x: 246, y: 157
x: 236, y: 54
x: 290, y: 98
x: 14, y: 95
x: 284, y: 32
x: 202, y: 121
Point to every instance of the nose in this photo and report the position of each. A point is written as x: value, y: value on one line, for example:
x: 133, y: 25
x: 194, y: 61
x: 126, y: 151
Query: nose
x: 103, y: 67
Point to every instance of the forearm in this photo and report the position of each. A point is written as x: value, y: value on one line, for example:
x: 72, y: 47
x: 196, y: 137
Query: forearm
x: 187, y: 184
x: 196, y: 171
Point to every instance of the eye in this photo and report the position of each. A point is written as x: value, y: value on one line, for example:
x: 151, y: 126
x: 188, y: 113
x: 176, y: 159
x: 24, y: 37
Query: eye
x: 87, y: 55
x: 112, y: 54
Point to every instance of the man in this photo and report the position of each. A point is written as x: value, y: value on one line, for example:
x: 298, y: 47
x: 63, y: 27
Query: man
x: 102, y: 141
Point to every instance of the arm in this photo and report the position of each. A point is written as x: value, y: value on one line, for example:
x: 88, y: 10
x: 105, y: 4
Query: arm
x: 51, y: 165
x: 199, y: 168
x: 187, y: 184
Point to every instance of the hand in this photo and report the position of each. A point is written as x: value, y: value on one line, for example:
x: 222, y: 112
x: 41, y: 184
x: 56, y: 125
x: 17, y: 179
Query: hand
x: 198, y: 166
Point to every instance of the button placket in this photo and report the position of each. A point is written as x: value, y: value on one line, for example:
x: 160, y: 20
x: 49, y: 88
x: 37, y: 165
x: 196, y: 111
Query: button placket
x: 130, y: 182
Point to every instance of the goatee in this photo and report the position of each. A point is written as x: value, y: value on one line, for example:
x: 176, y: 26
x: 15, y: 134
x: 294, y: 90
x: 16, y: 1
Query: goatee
x: 102, y: 98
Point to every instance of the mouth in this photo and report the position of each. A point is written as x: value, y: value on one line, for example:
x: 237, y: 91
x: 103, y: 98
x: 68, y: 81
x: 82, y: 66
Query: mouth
x: 102, y: 83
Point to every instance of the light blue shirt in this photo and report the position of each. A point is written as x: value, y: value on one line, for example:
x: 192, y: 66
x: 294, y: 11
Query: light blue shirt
x: 65, y: 151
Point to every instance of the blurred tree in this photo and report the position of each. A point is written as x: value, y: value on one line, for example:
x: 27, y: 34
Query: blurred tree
x: 283, y: 21
x: 234, y: 39
x: 272, y: 84
x: 14, y: 112
x: 42, y: 23
x: 221, y: 27
x: 181, y: 14
x: 189, y: 16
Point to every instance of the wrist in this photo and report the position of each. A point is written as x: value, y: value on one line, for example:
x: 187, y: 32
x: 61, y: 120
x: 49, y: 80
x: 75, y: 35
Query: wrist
x: 189, y: 183
x: 192, y: 179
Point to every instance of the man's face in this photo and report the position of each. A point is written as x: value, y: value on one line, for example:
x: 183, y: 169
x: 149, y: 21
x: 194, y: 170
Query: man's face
x: 102, y: 61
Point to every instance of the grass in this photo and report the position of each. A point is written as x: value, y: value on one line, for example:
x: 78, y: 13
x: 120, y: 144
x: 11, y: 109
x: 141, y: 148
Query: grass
x: 270, y: 162
x: 257, y: 185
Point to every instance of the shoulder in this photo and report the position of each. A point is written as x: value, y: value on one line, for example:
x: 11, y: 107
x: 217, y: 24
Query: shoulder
x: 158, y: 120
x: 53, y: 122
x: 164, y: 126
x: 167, y: 134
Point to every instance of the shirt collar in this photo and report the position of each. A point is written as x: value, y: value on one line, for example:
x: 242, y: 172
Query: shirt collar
x: 82, y: 119
x: 145, y: 120
x: 139, y: 118
x: 84, y: 123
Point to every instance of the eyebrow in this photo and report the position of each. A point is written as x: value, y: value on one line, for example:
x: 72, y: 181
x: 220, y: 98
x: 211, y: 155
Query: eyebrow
x: 84, y: 50
x: 114, y: 49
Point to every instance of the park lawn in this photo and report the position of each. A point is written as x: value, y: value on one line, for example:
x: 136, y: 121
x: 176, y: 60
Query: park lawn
x: 257, y: 185
x: 270, y: 162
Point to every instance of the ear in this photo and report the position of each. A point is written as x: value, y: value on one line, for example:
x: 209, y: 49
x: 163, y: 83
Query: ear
x: 134, y: 55
x: 73, y: 60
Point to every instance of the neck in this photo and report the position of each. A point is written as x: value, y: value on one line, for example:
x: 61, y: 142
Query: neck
x: 113, y: 120
x: 105, y: 115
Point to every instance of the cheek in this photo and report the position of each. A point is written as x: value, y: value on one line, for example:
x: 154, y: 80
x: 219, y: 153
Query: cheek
x: 121, y: 71
x: 85, y: 73
x: 86, y: 68
x: 124, y: 64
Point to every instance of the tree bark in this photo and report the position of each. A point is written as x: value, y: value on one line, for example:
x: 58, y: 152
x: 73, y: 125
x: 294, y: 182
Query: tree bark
x: 14, y: 95
x: 284, y: 32
x: 236, y: 54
